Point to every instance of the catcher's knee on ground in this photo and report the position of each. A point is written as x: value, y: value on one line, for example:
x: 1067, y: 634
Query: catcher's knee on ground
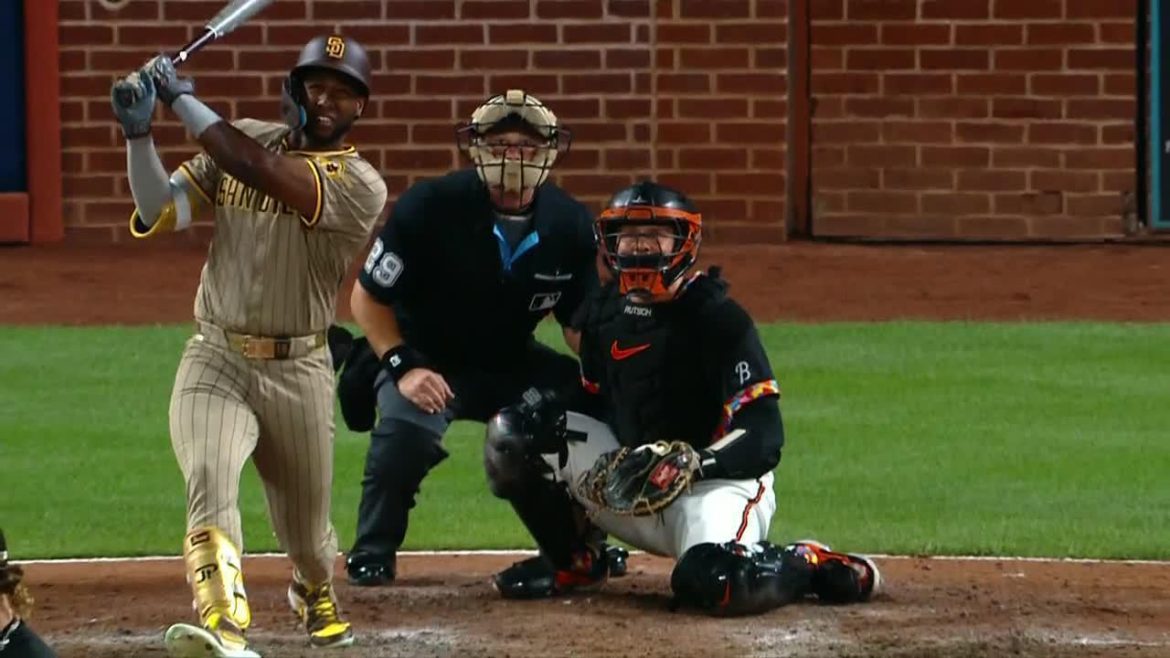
x: 732, y: 579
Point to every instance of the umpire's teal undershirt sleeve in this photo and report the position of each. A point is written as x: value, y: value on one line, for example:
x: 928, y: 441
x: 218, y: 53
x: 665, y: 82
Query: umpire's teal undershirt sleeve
x: 149, y: 183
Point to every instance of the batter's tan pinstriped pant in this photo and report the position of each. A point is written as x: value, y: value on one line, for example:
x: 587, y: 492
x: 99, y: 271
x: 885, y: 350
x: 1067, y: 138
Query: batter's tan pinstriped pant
x: 226, y: 408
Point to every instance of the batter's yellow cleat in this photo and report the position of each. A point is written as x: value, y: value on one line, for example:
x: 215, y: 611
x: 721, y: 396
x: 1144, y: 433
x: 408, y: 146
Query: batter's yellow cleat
x: 319, y: 613
x: 218, y: 638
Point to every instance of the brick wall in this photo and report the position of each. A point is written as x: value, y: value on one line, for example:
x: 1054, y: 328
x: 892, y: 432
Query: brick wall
x: 689, y: 91
x: 1004, y: 118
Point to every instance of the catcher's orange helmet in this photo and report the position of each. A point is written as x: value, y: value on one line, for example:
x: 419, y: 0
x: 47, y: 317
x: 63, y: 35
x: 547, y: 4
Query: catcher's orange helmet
x: 631, y: 211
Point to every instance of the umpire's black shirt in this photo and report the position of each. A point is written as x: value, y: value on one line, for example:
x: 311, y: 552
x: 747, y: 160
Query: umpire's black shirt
x: 462, y: 295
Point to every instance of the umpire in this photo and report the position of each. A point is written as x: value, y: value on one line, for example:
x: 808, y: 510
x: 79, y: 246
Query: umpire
x: 455, y: 284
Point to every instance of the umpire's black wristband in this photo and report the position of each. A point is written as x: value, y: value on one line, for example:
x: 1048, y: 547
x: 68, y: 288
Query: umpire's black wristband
x: 401, y: 359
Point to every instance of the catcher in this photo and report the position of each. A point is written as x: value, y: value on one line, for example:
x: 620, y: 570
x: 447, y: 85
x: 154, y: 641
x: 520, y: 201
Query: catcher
x: 682, y: 431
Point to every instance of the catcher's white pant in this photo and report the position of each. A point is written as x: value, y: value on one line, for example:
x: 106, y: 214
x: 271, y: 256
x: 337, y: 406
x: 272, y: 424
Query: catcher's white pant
x: 715, y: 511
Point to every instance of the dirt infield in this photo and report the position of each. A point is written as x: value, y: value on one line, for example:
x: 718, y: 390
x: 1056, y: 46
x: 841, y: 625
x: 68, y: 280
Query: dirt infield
x: 443, y: 606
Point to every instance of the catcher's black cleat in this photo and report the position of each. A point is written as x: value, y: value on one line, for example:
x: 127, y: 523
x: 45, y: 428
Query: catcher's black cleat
x: 535, y: 578
x: 840, y: 577
x: 615, y: 557
x: 370, y: 574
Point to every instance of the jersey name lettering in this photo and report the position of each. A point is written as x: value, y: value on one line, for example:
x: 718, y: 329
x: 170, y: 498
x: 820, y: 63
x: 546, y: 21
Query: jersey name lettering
x: 640, y: 311
x: 234, y: 194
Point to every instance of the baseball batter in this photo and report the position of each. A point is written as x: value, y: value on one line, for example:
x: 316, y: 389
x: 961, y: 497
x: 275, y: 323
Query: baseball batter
x: 293, y: 206
x: 666, y: 355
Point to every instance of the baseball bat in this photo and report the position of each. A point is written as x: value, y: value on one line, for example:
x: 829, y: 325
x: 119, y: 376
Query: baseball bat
x: 235, y: 14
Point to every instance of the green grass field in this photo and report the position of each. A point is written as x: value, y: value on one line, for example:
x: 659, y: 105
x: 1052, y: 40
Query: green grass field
x: 940, y: 438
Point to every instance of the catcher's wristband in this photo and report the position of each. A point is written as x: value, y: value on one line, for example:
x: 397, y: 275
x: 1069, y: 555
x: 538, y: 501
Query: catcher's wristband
x: 708, y: 467
x: 401, y: 359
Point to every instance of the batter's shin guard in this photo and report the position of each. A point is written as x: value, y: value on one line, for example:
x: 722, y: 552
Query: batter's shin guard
x: 216, y: 576
x: 732, y: 579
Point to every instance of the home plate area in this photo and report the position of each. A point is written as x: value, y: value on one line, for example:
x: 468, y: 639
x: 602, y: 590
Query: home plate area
x: 443, y: 605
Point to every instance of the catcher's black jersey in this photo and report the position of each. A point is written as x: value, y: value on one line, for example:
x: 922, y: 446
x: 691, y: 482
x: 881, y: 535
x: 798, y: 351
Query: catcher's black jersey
x: 463, y: 295
x: 692, y: 369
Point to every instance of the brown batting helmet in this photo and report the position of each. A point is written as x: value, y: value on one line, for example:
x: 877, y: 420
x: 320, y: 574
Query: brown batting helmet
x: 337, y: 53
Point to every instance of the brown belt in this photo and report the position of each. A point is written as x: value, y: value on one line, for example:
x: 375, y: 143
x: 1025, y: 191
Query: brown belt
x: 261, y: 347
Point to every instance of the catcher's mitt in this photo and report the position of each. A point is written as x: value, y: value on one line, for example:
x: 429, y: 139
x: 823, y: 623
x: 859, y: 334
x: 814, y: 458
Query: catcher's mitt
x: 641, y: 481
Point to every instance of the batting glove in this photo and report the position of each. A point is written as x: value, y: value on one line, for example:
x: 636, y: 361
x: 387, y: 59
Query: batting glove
x: 133, y: 99
x: 166, y: 79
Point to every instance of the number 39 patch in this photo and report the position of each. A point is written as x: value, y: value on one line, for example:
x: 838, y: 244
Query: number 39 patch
x: 383, y: 266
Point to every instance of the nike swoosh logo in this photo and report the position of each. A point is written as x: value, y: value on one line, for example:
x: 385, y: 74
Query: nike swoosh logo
x: 618, y: 353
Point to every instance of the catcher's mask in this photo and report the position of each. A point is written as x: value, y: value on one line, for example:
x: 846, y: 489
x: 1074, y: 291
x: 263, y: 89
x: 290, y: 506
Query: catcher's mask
x: 513, y: 166
x: 649, y: 236
x: 341, y: 55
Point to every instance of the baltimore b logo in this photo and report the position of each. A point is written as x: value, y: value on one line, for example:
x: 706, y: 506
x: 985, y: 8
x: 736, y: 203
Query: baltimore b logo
x: 335, y: 47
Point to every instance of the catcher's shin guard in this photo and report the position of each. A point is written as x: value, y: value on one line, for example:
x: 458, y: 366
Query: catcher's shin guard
x: 733, y: 579
x: 215, y: 574
x: 517, y: 473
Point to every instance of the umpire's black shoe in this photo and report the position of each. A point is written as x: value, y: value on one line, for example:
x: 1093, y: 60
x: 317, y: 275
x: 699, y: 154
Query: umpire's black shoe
x: 365, y: 572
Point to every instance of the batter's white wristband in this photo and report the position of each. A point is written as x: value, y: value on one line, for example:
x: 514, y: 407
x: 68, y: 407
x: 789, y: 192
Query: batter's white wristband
x: 194, y: 114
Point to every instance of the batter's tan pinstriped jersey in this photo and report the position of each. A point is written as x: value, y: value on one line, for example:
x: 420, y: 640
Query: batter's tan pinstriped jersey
x: 270, y: 271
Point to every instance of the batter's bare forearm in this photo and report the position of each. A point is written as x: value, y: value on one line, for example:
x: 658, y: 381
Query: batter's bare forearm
x: 236, y: 153
x: 377, y: 321
x: 288, y: 180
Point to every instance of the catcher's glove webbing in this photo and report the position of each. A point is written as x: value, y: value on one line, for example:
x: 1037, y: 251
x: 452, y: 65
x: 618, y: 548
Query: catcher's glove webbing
x: 642, y: 481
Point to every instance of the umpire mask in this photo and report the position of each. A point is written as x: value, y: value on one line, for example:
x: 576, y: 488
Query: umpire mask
x: 507, y: 164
